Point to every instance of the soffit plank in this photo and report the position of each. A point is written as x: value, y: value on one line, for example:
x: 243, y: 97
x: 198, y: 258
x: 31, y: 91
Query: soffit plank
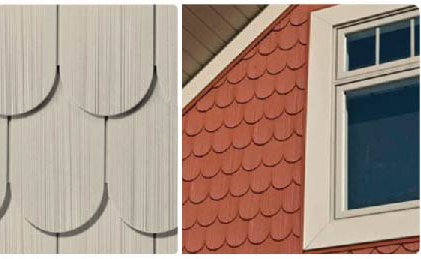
x: 219, y: 26
x: 232, y: 15
x: 185, y: 76
x: 28, y: 56
x: 249, y: 10
x: 203, y: 33
x: 192, y: 45
x: 57, y: 154
x: 191, y: 65
x: 106, y: 55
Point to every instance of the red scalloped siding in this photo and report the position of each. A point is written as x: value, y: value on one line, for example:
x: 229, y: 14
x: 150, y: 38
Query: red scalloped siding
x: 400, y: 246
x: 243, y: 147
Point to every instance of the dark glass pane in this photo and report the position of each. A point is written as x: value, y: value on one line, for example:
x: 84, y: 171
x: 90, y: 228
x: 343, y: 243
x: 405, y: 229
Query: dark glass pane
x: 361, y: 49
x: 383, y: 144
x: 395, y: 41
x: 417, y: 36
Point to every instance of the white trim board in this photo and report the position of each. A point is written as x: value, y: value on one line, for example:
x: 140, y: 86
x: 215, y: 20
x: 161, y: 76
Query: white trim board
x: 321, y: 229
x: 231, y: 51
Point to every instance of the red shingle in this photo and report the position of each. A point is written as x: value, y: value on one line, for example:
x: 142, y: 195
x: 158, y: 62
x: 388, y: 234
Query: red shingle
x: 206, y: 102
x: 243, y: 154
x: 399, y: 246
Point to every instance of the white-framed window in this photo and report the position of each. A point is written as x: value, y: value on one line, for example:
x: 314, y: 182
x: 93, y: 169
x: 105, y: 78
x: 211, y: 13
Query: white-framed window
x: 362, y: 143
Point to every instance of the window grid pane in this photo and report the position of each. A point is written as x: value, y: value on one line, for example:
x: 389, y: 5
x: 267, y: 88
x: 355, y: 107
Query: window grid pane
x: 361, y: 49
x: 382, y: 44
x: 395, y: 41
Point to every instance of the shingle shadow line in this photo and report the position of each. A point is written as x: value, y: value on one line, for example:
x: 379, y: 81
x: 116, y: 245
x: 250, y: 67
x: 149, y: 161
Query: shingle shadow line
x: 85, y: 226
x: 46, y: 100
x: 158, y: 235
x: 138, y: 231
x: 169, y: 233
x: 143, y: 101
x: 138, y: 106
x: 4, y: 206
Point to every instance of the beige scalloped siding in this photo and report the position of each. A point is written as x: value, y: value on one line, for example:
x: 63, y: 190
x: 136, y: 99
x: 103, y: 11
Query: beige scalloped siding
x: 88, y: 129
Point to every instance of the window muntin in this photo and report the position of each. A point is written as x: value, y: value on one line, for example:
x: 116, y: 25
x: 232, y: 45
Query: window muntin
x: 399, y: 27
x: 417, y: 36
x: 379, y: 45
x: 383, y: 150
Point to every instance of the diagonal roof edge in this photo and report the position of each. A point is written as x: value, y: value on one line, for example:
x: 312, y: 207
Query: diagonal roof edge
x: 229, y: 53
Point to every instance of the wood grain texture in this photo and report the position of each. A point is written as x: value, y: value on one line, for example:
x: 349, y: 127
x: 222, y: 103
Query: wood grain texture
x: 166, y: 51
x: 106, y: 55
x: 57, y: 155
x: 3, y: 161
x: 167, y: 243
x: 108, y: 235
x: 142, y: 146
x: 63, y: 156
x: 18, y: 236
x: 142, y: 165
x: 28, y: 56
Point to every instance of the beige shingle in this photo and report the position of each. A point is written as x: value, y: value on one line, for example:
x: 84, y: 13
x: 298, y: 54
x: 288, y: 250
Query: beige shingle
x: 18, y: 236
x: 28, y: 56
x: 65, y: 153
x: 141, y: 155
x: 57, y: 155
x: 106, y: 55
x: 108, y: 235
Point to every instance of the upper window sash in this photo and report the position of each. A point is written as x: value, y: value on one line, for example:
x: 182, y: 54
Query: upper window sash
x: 342, y: 76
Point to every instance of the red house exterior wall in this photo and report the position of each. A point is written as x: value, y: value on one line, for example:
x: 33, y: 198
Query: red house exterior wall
x: 409, y: 245
x: 243, y: 150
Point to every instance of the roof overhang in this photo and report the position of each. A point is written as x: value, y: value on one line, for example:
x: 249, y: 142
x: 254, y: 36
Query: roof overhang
x: 227, y: 55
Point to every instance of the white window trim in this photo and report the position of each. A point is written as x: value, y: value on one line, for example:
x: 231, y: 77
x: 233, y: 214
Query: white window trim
x: 321, y: 229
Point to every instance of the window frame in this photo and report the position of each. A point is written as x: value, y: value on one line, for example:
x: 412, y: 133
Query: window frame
x: 340, y: 181
x: 322, y: 228
x: 400, y: 14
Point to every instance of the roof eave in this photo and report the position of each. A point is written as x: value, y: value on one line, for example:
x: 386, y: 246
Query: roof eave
x: 229, y: 53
